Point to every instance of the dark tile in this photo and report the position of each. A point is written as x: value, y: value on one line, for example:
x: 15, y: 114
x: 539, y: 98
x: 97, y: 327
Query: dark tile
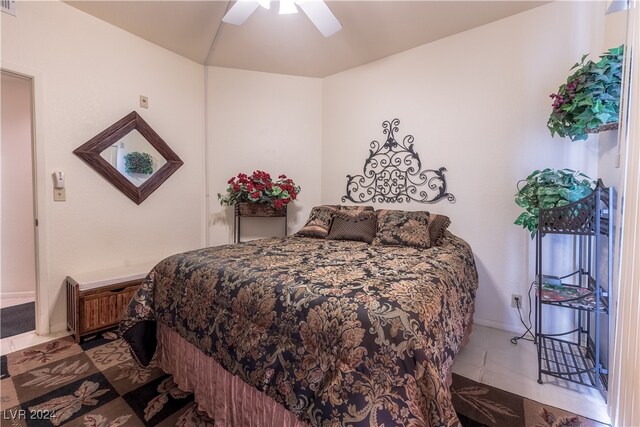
x: 537, y: 414
x: 4, y: 370
x: 484, y: 404
x: 157, y: 400
x: 128, y: 376
x: 99, y: 338
x: 468, y: 422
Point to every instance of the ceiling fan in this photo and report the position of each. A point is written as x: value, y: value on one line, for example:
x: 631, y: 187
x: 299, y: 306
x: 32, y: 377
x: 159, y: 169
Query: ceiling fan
x: 316, y: 10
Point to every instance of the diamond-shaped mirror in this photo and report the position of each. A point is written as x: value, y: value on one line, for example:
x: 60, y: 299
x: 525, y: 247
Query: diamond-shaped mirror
x: 131, y: 156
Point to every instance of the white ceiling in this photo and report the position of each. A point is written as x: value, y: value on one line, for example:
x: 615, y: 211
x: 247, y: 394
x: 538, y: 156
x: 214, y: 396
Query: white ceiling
x: 291, y: 44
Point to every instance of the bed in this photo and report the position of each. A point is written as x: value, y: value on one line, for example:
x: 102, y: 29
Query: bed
x: 299, y: 331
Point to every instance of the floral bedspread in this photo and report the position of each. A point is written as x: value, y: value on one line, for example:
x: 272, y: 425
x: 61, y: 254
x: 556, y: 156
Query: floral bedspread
x: 338, y: 332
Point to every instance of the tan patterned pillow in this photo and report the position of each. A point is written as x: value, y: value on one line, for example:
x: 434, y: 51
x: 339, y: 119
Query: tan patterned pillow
x: 355, y: 210
x: 437, y: 226
x: 361, y: 227
x: 319, y: 222
x: 403, y: 228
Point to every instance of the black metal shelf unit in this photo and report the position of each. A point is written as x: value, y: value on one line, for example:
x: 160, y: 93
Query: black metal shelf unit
x: 577, y: 355
x: 237, y: 215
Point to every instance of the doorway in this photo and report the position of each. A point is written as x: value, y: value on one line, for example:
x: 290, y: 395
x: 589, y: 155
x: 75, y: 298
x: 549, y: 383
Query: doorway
x: 18, y: 266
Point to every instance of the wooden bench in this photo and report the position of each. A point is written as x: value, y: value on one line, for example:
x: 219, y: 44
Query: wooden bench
x: 98, y: 300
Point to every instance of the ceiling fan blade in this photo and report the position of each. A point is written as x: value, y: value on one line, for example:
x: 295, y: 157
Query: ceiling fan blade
x: 321, y: 16
x: 616, y: 6
x: 240, y: 12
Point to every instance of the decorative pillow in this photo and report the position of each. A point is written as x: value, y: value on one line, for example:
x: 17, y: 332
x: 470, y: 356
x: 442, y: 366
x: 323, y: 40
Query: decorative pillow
x: 319, y: 222
x: 355, y: 210
x: 403, y: 228
x: 437, y: 226
x: 361, y: 227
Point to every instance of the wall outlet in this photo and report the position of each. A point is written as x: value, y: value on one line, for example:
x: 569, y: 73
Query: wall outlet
x: 515, y: 297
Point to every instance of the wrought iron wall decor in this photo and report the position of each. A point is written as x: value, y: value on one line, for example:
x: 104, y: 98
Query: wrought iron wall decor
x: 393, y: 174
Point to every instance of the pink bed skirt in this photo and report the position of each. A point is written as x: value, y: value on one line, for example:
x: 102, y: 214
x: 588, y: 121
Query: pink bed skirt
x: 223, y: 396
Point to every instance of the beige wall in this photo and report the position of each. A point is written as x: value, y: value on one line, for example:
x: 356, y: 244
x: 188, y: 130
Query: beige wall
x: 89, y: 75
x: 614, y: 35
x: 18, y: 278
x: 476, y: 103
x: 262, y: 121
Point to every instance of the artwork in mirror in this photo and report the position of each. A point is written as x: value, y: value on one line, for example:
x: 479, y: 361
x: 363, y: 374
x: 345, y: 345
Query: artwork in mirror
x: 131, y: 156
x: 134, y: 158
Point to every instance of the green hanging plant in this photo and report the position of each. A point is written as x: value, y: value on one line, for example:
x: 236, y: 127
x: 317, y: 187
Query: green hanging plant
x: 549, y: 188
x: 136, y: 162
x: 590, y: 100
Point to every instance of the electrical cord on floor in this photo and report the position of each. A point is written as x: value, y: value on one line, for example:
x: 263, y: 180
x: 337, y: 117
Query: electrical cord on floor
x: 515, y: 340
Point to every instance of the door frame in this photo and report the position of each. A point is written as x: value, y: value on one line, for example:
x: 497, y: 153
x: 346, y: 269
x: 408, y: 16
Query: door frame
x: 39, y: 191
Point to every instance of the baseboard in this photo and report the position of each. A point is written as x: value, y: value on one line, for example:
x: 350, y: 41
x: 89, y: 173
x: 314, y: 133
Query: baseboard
x: 499, y: 325
x: 8, y: 295
x: 59, y: 327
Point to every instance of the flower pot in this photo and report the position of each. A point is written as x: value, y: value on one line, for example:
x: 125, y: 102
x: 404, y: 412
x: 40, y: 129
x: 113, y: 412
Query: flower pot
x: 259, y: 209
x: 605, y: 127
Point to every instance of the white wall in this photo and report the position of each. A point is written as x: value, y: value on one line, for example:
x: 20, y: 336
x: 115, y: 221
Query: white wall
x: 18, y: 268
x: 608, y: 167
x: 476, y: 103
x: 89, y: 75
x: 263, y: 121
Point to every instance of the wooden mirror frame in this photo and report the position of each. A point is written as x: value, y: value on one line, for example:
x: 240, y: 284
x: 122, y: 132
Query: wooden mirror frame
x: 90, y: 153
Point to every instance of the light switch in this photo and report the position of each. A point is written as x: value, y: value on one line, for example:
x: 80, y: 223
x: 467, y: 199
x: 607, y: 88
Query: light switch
x: 144, y: 101
x: 59, y: 195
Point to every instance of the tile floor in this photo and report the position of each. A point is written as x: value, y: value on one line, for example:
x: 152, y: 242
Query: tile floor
x: 488, y: 358
x: 27, y: 339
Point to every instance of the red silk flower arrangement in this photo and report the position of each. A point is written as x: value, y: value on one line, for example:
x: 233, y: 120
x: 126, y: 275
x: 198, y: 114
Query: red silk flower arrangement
x: 259, y: 187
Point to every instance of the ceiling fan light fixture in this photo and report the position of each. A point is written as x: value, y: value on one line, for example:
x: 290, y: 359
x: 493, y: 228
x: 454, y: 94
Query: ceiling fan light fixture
x: 287, y: 7
x: 316, y: 10
x: 264, y: 3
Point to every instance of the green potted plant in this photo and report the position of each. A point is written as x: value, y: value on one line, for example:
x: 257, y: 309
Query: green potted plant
x: 549, y: 188
x: 136, y: 162
x: 589, y: 102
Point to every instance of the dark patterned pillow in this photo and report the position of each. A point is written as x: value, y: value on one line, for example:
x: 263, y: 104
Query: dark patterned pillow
x: 361, y: 227
x: 355, y: 210
x: 437, y: 226
x: 403, y: 228
x: 319, y: 222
